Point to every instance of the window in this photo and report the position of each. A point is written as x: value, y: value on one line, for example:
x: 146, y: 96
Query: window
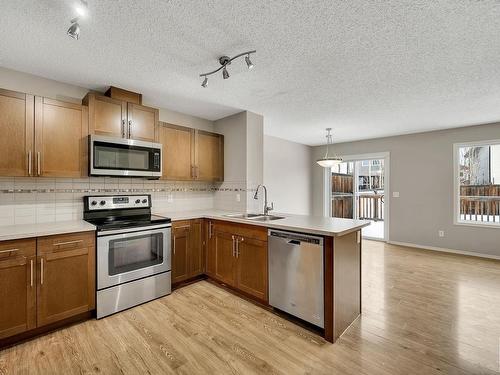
x: 477, y: 183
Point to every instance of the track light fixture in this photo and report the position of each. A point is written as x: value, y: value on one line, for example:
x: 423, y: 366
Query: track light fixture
x: 224, y: 61
x: 74, y: 29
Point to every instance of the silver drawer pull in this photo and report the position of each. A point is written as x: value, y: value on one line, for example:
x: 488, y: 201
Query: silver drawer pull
x: 68, y: 243
x: 41, y: 271
x: 31, y: 272
x: 8, y: 251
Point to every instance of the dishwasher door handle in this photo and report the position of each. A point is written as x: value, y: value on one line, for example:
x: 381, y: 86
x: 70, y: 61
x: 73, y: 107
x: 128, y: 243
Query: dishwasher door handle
x: 294, y: 242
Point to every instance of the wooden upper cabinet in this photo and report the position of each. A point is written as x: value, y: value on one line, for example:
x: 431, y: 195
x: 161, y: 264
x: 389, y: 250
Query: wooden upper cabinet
x: 107, y: 116
x: 116, y: 118
x: 17, y: 286
x: 66, y: 276
x: 209, y: 156
x: 16, y: 129
x: 251, y: 274
x: 142, y: 122
x: 190, y: 154
x: 61, y: 130
x: 177, y: 151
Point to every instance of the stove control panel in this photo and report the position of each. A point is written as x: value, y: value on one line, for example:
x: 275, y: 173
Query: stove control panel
x: 117, y: 202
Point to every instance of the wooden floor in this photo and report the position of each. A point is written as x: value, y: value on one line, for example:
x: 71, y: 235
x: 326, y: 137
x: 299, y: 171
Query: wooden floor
x: 423, y: 313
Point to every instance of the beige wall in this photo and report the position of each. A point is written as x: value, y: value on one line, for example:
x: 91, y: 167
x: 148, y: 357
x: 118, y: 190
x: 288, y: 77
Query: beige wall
x: 421, y: 170
x: 288, y: 175
x: 23, y: 82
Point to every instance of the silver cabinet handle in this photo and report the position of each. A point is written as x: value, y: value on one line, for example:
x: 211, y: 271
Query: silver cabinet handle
x: 31, y: 272
x: 68, y: 243
x: 41, y: 271
x: 8, y: 251
x: 174, y: 245
x: 30, y: 163
x: 234, y: 247
x: 210, y: 227
x: 129, y: 128
x: 123, y: 128
x: 38, y: 164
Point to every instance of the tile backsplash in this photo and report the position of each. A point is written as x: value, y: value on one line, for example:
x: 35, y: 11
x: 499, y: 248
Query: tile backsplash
x: 28, y: 200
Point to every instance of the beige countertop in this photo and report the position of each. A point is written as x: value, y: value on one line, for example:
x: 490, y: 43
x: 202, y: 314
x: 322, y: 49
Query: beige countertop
x: 14, y: 232
x: 325, y: 226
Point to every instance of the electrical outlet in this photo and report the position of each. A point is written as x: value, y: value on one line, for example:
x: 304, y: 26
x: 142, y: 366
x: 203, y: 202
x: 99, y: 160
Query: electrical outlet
x: 395, y: 194
x: 441, y: 233
x: 170, y: 198
x: 238, y: 197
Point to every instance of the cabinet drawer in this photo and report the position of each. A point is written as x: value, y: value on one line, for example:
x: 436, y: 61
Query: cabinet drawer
x: 17, y: 248
x: 65, y: 242
x: 243, y: 230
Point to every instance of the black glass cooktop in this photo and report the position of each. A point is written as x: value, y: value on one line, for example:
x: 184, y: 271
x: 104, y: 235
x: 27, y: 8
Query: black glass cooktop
x: 112, y: 223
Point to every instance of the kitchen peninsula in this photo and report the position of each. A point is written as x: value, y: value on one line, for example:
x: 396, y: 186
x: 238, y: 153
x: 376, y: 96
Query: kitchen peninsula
x: 232, y: 249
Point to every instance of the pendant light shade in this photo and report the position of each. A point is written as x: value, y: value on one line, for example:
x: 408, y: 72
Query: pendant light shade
x: 329, y: 161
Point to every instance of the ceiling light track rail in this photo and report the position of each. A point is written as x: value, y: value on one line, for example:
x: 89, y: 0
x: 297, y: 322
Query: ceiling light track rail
x: 226, y: 60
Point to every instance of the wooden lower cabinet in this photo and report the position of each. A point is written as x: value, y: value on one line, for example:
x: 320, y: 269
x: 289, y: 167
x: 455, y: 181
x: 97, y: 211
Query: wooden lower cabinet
x: 45, y: 280
x: 187, y: 250
x: 17, y: 287
x: 237, y: 256
x: 251, y: 272
x: 66, y: 265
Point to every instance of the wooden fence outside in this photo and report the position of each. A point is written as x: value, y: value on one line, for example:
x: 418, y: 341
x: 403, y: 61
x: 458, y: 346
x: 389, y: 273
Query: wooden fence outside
x: 480, y: 203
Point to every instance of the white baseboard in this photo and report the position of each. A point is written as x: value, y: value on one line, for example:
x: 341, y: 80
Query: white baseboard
x: 444, y: 250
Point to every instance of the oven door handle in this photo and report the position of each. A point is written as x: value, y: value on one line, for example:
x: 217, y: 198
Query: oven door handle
x: 132, y: 231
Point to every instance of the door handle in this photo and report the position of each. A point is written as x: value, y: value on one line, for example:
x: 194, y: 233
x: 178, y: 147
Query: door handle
x: 68, y: 243
x: 123, y: 128
x: 210, y: 227
x: 30, y: 163
x: 234, y: 247
x: 31, y: 272
x: 41, y: 271
x: 238, y: 246
x: 129, y: 128
x: 38, y: 164
x: 174, y: 245
x: 9, y: 251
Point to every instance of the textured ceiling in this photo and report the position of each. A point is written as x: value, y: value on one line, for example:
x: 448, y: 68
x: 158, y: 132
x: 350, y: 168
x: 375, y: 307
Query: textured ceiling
x: 365, y: 68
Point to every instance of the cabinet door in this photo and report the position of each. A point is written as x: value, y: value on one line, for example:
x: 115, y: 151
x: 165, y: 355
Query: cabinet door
x: 196, y: 256
x: 178, y: 155
x: 60, y: 138
x: 107, y: 116
x: 17, y: 287
x: 16, y: 129
x: 210, y: 249
x: 252, y: 276
x: 209, y: 156
x: 66, y: 276
x: 142, y: 122
x: 224, y: 257
x: 181, y: 238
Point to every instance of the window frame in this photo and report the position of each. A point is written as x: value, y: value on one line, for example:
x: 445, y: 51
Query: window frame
x: 456, y: 185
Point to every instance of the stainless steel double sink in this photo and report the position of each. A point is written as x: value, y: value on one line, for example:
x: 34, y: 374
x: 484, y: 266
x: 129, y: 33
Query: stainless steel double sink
x: 255, y: 217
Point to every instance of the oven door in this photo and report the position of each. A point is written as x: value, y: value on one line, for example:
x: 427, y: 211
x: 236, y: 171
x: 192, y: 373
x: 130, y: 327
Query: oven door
x: 132, y: 255
x: 124, y: 157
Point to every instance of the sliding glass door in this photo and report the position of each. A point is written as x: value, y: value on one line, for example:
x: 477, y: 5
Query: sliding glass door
x: 358, y: 192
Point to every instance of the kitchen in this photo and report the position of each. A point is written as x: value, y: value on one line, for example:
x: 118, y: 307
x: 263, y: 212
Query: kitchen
x: 178, y: 208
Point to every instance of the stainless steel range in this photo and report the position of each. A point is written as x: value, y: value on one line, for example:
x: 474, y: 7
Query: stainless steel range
x: 133, y: 251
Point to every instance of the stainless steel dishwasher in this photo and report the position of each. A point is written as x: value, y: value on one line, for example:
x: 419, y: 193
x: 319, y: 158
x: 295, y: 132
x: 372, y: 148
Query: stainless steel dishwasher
x: 296, y: 275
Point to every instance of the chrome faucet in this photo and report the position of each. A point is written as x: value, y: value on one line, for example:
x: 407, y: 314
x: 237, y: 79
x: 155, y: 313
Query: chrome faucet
x: 266, y: 207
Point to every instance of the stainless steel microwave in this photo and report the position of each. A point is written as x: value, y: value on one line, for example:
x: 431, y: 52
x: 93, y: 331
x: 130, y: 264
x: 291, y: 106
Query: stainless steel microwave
x: 110, y: 156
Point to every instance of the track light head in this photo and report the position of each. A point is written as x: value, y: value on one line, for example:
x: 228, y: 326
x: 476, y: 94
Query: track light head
x: 205, y: 82
x: 74, y: 29
x: 248, y: 61
x: 225, y: 74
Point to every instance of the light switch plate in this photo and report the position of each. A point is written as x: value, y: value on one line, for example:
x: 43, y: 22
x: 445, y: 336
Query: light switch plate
x: 395, y: 194
x: 238, y: 197
x: 170, y: 198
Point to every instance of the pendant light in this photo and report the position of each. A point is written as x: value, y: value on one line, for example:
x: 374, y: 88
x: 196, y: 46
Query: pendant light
x: 329, y: 161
